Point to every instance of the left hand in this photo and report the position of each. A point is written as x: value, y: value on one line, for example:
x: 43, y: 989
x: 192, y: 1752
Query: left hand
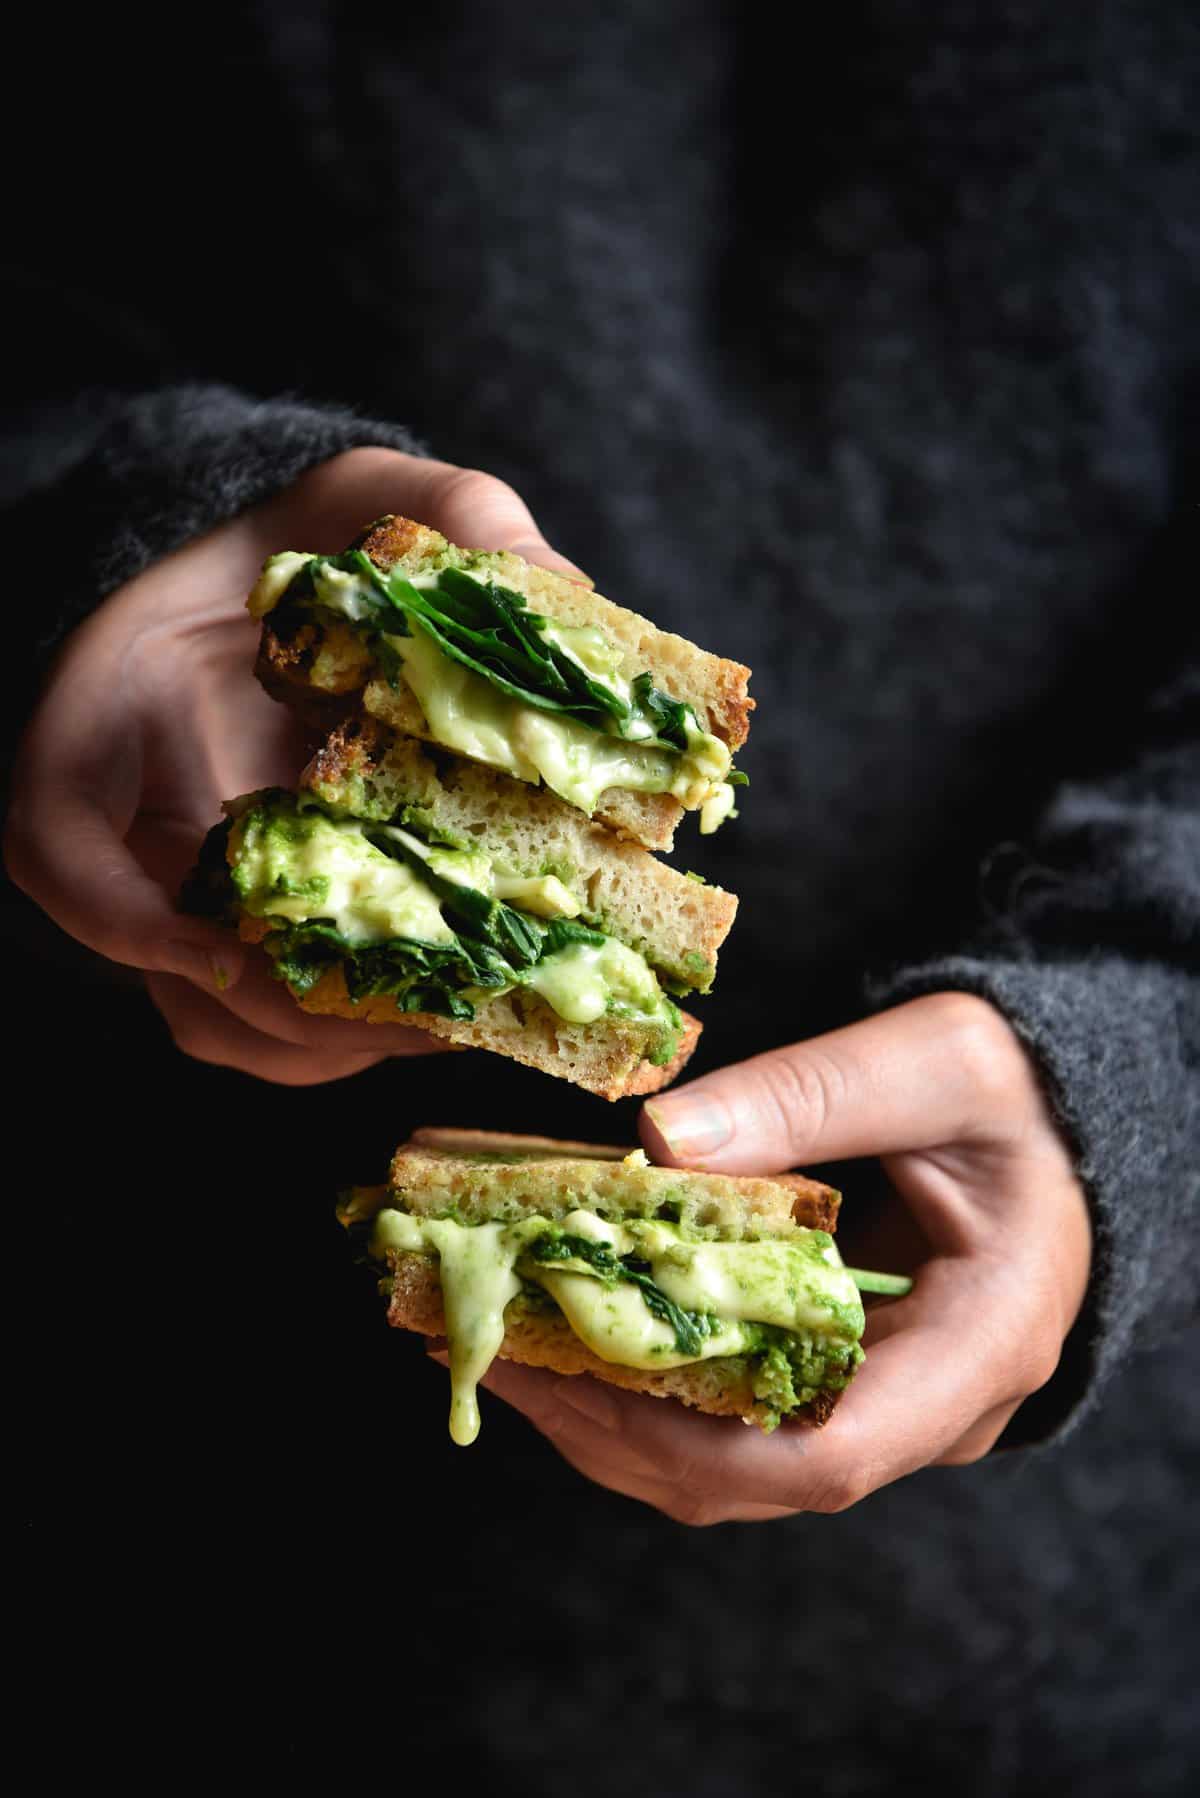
x: 943, y: 1092
x: 151, y: 716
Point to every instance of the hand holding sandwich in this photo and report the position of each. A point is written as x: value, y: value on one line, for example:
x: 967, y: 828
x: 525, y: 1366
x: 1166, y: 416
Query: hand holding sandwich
x: 943, y: 1092
x: 152, y: 716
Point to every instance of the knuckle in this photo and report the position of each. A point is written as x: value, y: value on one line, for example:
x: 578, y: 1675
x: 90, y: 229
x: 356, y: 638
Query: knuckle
x: 325, y: 480
x: 474, y: 488
x: 965, y: 1454
x: 106, y: 938
x: 190, y: 1037
x: 1041, y: 1364
x: 980, y: 1035
x: 285, y: 1071
x: 802, y: 1089
x: 190, y: 1034
x: 839, y: 1491
x: 697, y: 1510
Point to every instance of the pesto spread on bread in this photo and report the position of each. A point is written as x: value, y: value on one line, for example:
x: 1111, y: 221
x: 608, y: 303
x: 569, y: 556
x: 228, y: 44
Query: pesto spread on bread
x: 502, y: 684
x: 639, y: 1292
x: 442, y: 928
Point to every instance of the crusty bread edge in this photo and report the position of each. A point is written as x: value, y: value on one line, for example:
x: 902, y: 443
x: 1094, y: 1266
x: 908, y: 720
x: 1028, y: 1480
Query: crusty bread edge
x: 457, y: 1160
x: 620, y: 1071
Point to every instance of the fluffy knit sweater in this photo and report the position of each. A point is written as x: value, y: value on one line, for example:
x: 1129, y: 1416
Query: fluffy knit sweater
x: 872, y: 364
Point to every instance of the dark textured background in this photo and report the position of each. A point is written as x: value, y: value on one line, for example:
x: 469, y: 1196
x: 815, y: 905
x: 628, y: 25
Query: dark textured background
x: 874, y: 364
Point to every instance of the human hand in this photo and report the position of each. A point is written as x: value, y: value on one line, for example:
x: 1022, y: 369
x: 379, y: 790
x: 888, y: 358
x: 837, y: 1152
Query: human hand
x: 152, y: 716
x: 942, y: 1091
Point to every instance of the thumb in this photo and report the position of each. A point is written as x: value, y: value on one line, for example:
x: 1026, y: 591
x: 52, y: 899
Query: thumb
x: 922, y: 1074
x: 476, y: 509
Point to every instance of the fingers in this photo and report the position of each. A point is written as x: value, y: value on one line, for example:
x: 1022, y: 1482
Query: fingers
x: 268, y: 1006
x: 207, y: 1031
x: 981, y: 1437
x: 938, y: 1388
x: 941, y: 1069
x: 483, y: 513
x: 592, y: 1426
x: 574, y: 1413
x: 234, y: 1028
x: 471, y: 508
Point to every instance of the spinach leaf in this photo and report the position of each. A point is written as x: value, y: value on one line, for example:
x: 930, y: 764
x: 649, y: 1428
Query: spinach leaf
x: 560, y: 933
x: 419, y: 976
x: 510, y: 933
x: 668, y: 716
x: 489, y: 628
x: 691, y: 1328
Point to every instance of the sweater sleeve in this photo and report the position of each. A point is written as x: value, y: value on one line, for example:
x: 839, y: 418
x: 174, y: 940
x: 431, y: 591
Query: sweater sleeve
x: 1091, y: 949
x: 96, y: 488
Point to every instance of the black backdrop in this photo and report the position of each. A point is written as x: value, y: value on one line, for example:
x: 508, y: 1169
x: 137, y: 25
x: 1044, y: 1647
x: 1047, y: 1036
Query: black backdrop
x: 248, y: 1545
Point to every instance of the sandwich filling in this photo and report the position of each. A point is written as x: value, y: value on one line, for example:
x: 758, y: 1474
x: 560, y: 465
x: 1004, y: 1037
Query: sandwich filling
x: 639, y: 1292
x: 537, y: 699
x: 443, y: 929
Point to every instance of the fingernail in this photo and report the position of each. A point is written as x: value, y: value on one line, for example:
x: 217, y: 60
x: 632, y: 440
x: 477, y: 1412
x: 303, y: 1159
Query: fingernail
x: 692, y: 1124
x: 589, y: 1398
x: 212, y: 971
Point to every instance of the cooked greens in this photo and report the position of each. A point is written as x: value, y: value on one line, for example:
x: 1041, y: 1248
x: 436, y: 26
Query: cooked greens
x: 490, y: 629
x: 691, y: 1328
x: 365, y: 899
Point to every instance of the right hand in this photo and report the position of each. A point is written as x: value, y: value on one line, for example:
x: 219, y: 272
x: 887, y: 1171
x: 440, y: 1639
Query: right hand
x: 151, y: 717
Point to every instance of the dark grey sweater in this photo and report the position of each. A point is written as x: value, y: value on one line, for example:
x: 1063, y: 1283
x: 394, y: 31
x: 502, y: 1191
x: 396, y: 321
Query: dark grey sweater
x: 874, y: 366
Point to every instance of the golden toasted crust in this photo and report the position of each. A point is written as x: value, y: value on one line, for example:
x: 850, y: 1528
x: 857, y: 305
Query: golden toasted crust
x: 677, y: 923
x: 606, y: 1058
x: 286, y: 681
x: 449, y: 1142
x: 545, y: 1339
x: 486, y: 1174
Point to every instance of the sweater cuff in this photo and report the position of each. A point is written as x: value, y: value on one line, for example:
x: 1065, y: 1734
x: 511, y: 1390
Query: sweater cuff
x: 1115, y: 1043
x: 164, y: 468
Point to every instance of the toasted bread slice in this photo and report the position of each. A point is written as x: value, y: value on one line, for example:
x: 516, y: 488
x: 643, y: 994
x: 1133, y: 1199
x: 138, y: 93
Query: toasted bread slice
x: 677, y: 922
x: 484, y: 1176
x: 608, y: 1058
x: 320, y: 666
x: 487, y: 1175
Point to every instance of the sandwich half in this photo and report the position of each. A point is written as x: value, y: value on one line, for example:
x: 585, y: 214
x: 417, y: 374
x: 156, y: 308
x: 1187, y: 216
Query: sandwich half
x: 511, y: 665
x: 726, y: 1293
x: 398, y: 884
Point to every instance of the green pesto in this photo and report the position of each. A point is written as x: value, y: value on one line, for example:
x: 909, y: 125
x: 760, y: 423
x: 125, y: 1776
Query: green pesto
x: 465, y: 945
x: 786, y: 1369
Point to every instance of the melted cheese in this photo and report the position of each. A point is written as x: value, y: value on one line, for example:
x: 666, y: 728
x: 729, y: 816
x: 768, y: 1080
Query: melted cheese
x: 466, y: 713
x: 333, y: 872
x: 716, y: 808
x: 582, y: 982
x: 277, y: 575
x: 301, y: 866
x: 545, y: 895
x: 797, y: 1284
